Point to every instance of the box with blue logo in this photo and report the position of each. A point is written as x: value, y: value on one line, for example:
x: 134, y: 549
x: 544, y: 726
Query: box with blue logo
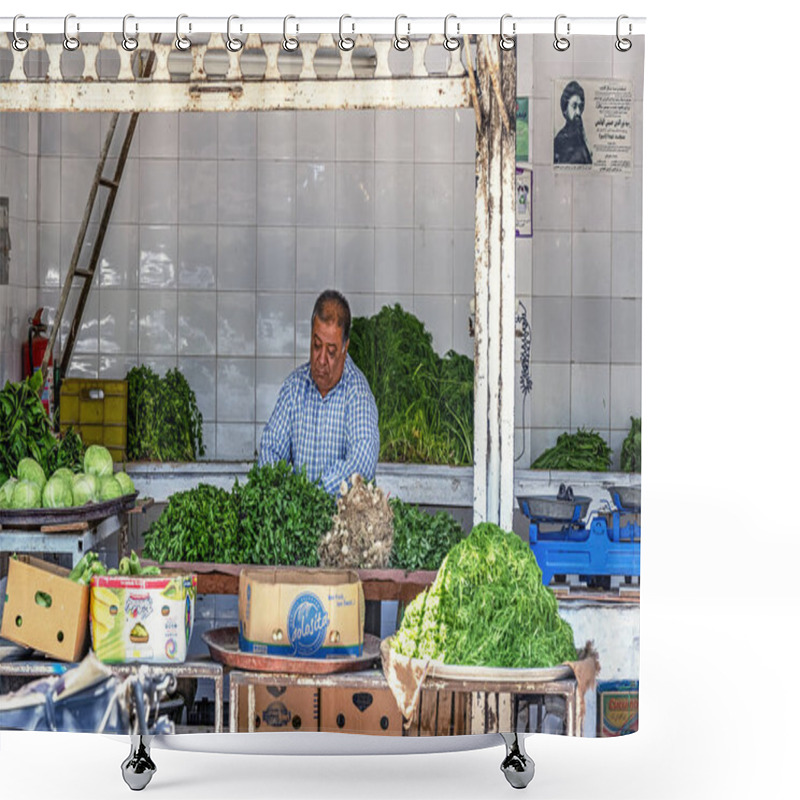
x: 300, y: 612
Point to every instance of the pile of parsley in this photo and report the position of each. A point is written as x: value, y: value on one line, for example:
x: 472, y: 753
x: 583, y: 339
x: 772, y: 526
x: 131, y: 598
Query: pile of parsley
x: 276, y: 518
x: 487, y: 607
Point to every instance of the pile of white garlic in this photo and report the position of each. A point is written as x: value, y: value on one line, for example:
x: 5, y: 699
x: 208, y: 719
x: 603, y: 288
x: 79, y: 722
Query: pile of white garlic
x: 363, y: 529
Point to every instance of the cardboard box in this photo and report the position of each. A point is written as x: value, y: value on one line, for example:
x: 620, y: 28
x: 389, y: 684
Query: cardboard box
x: 147, y: 619
x: 617, y: 708
x: 280, y: 708
x: 45, y: 610
x: 360, y: 711
x: 301, y: 612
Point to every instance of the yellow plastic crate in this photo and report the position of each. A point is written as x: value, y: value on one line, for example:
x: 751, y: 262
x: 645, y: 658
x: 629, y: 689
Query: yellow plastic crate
x: 98, y: 410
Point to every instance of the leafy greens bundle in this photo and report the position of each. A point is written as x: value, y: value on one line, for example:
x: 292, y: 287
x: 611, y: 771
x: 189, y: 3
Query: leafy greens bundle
x: 278, y: 517
x: 421, y: 540
x: 164, y: 423
x: 487, y: 607
x: 425, y: 402
x: 27, y: 432
x: 630, y: 457
x: 583, y: 450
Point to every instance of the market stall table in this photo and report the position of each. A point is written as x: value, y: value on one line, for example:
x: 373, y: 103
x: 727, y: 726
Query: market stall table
x: 71, y: 532
x: 378, y: 584
x: 471, y: 707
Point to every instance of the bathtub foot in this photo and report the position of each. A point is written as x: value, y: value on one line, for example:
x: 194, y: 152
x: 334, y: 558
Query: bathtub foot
x: 517, y: 766
x: 138, y: 768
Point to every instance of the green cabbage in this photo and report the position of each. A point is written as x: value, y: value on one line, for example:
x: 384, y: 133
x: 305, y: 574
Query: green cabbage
x: 84, y: 489
x: 29, y: 470
x: 64, y: 472
x: 26, y: 495
x: 98, y: 461
x: 57, y: 492
x: 109, y: 488
x: 125, y: 482
x: 6, y: 492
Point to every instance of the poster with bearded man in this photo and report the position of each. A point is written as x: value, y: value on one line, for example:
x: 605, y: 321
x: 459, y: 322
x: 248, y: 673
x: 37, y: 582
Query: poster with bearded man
x: 592, y: 125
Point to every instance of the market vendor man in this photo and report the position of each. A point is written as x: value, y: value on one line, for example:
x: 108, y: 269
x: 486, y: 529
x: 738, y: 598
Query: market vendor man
x: 325, y: 418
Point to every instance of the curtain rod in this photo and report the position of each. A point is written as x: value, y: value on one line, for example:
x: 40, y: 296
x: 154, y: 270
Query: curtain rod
x: 454, y: 25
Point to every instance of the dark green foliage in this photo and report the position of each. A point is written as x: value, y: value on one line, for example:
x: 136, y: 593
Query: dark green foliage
x: 283, y: 515
x: 27, y: 432
x: 583, y: 450
x: 68, y: 453
x: 164, y: 423
x: 421, y: 540
x: 425, y: 402
x: 630, y: 457
x: 487, y: 607
x: 201, y: 524
x: 276, y: 518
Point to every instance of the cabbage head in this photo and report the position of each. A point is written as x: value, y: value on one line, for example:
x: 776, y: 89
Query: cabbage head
x: 84, y: 489
x: 64, y: 472
x: 26, y: 495
x: 6, y: 492
x: 125, y: 482
x: 98, y: 462
x: 109, y: 488
x: 57, y: 493
x: 29, y: 470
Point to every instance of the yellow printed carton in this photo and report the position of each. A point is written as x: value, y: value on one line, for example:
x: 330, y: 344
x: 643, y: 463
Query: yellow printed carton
x: 147, y: 619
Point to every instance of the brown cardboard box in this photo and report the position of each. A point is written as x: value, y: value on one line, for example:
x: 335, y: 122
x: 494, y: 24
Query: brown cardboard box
x: 280, y: 708
x: 301, y: 612
x: 360, y: 711
x: 58, y: 624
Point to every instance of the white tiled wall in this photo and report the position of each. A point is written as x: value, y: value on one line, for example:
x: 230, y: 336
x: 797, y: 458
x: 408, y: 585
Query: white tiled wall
x: 580, y: 276
x: 228, y: 225
x: 17, y: 183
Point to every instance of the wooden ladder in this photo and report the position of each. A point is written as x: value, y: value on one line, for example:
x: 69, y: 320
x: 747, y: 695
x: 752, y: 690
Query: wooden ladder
x: 106, y: 200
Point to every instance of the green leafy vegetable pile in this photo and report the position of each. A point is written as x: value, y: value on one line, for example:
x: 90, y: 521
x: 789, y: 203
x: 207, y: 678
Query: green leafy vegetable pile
x: 425, y: 402
x: 421, y: 540
x: 278, y: 517
x: 283, y: 515
x: 583, y: 450
x: 487, y: 607
x: 200, y: 524
x: 27, y: 432
x: 630, y: 457
x: 164, y: 423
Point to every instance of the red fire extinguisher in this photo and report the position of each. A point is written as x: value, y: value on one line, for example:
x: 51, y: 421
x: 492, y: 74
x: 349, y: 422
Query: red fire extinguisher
x: 33, y: 353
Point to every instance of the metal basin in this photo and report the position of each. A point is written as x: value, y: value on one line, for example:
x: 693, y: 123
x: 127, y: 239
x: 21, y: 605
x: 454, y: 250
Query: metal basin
x: 549, y: 507
x: 629, y: 496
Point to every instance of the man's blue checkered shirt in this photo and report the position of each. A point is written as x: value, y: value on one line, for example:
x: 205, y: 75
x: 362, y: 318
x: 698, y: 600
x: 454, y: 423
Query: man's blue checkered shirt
x: 333, y: 436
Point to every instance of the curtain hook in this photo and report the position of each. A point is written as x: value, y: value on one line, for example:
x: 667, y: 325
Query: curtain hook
x: 450, y: 42
x: 401, y: 43
x: 129, y: 43
x: 233, y: 44
x: 623, y: 44
x: 290, y: 43
x: 181, y: 42
x: 71, y: 43
x: 345, y: 43
x: 18, y: 43
x: 561, y: 43
x: 507, y: 42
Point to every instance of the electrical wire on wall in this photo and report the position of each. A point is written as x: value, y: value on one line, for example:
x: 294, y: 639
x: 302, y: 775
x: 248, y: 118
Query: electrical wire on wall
x: 525, y: 380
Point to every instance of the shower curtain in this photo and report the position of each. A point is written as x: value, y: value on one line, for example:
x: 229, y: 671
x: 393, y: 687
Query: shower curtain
x: 476, y: 197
